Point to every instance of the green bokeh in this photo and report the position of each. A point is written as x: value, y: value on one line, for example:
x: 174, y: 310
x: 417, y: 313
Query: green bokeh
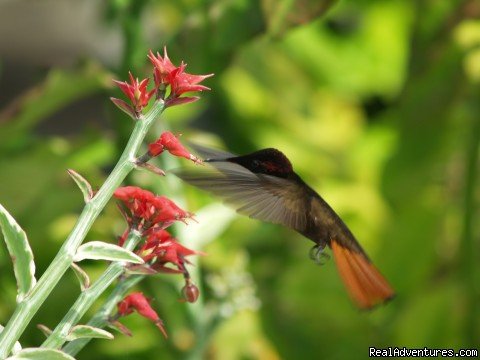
x: 377, y: 105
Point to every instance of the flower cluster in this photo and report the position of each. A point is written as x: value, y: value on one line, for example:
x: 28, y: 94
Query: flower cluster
x: 151, y: 214
x: 161, y: 249
x: 166, y: 76
x: 146, y: 212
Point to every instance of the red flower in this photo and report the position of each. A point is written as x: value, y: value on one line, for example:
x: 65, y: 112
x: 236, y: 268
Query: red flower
x: 168, y: 141
x: 182, y: 82
x: 174, y: 253
x: 162, y: 68
x: 155, y: 244
x: 156, y: 238
x: 163, y: 248
x: 129, y: 193
x: 137, y: 93
x: 139, y: 303
x: 145, y: 210
x: 169, y: 211
x: 165, y: 73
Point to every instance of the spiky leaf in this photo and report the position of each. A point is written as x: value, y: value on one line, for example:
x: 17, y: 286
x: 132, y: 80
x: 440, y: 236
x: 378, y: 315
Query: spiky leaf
x: 83, y: 184
x: 82, y: 276
x: 44, y: 329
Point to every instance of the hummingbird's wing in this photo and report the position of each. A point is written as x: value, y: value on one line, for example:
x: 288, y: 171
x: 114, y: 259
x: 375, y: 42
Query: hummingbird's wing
x: 259, y: 196
x: 207, y: 153
x: 282, y: 201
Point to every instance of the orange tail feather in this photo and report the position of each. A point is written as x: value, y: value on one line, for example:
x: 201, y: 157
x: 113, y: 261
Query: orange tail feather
x: 365, y: 285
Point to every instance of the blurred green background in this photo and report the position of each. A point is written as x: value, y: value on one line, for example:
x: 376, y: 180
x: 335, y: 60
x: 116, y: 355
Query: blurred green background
x: 375, y: 102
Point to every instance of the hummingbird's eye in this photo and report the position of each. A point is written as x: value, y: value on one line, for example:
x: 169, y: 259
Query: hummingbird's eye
x: 256, y: 163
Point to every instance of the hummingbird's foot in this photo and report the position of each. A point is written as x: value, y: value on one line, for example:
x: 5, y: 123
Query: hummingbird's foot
x: 318, y: 254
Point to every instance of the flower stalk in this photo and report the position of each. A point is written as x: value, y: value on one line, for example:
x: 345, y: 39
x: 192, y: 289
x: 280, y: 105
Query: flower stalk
x: 147, y: 216
x: 28, y: 307
x: 202, y: 324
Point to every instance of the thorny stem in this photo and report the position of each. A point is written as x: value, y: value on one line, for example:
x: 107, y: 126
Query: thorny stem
x: 88, y: 297
x: 28, y: 307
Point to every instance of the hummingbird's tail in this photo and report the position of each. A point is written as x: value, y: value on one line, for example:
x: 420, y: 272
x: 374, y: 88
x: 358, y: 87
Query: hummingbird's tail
x: 364, y: 283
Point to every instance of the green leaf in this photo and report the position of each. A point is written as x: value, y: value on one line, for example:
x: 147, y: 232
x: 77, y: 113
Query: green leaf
x: 83, y: 184
x: 16, y: 347
x: 98, y: 250
x: 85, y: 331
x: 20, y: 252
x: 41, y: 354
x: 82, y: 276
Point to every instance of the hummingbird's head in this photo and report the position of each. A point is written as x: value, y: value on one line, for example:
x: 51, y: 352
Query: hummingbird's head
x: 267, y: 161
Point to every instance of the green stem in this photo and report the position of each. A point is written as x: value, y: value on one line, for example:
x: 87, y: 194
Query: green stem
x: 27, y: 308
x: 88, y: 297
x: 100, y: 319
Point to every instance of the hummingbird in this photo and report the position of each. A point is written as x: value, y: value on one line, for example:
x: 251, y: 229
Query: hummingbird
x: 264, y: 186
